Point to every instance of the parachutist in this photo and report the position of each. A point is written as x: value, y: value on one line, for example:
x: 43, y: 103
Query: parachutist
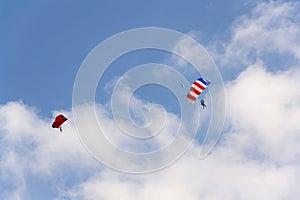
x: 203, y: 103
x: 196, y: 89
x: 59, y: 120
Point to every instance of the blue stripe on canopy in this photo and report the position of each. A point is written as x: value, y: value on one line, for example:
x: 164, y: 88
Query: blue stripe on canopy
x: 204, y: 81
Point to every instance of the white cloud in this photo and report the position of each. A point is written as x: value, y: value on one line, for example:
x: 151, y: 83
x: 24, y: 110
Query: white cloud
x: 31, y: 149
x: 272, y: 27
x: 30, y: 146
x: 190, y: 50
x: 257, y: 158
x: 266, y: 108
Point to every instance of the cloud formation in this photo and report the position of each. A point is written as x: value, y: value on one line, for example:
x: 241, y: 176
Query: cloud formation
x: 32, y: 151
x: 256, y: 158
x: 268, y: 33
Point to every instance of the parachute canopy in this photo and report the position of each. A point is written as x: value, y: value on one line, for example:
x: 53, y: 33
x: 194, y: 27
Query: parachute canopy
x: 59, y: 120
x: 197, y: 87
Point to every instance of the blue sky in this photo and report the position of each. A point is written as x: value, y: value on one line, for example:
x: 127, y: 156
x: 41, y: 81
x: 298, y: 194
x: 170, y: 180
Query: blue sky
x: 256, y: 48
x: 44, y: 42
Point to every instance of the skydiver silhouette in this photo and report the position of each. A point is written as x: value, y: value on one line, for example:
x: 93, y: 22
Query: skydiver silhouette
x: 203, y: 103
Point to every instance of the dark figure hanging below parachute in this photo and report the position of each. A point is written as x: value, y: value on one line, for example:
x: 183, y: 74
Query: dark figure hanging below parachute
x: 59, y: 120
x: 196, y: 89
x: 202, y: 103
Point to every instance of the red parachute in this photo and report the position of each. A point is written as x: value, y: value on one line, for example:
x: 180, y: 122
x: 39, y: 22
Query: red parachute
x: 59, y: 120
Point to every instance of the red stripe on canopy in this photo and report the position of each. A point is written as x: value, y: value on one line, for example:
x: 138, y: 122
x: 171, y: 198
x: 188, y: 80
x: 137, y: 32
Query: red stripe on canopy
x: 199, y: 85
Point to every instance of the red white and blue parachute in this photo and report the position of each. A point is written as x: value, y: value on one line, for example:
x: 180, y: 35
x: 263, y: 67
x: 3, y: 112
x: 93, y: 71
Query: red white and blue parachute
x: 196, y: 89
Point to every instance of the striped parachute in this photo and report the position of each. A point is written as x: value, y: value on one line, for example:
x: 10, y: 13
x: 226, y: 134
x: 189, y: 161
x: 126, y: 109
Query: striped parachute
x: 197, y: 87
